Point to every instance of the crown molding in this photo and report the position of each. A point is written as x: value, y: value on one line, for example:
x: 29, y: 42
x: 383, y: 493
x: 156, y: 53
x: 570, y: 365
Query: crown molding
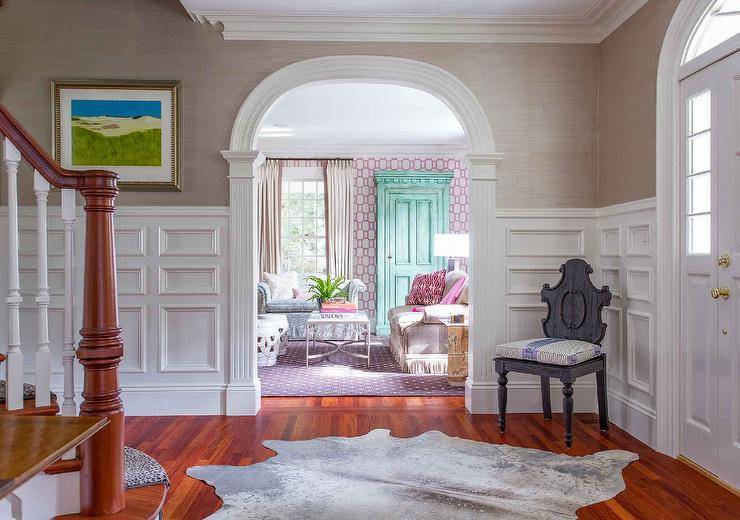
x: 593, y: 28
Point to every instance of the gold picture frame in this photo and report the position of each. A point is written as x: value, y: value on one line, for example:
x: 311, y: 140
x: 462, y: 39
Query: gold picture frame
x: 98, y: 121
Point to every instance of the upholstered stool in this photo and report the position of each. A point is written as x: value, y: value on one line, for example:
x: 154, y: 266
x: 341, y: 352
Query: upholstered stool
x: 281, y: 322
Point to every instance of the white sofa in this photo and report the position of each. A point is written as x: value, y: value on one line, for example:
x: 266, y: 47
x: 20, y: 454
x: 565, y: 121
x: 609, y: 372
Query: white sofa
x: 419, y: 339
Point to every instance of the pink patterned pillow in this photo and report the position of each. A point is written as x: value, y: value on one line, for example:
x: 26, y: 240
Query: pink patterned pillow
x: 427, y: 289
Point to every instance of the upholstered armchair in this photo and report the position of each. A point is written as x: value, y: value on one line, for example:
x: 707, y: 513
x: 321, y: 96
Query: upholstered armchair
x: 419, y: 338
x: 298, y: 311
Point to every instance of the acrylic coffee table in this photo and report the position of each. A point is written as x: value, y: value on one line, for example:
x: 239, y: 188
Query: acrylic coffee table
x: 357, y: 324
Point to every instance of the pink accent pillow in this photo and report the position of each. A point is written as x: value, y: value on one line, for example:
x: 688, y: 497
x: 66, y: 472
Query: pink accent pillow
x: 427, y: 289
x: 451, y: 297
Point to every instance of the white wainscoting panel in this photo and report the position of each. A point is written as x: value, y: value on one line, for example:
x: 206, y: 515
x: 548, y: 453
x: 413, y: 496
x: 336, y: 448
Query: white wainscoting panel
x: 189, y: 280
x: 173, y: 304
x: 613, y: 341
x: 529, y: 280
x: 129, y: 241
x: 173, y: 298
x: 191, y: 241
x: 131, y: 281
x: 530, y: 247
x: 545, y: 242
x: 524, y: 321
x: 133, y: 324
x: 610, y: 242
x: 639, y: 351
x: 627, y: 267
x: 189, y: 338
x: 639, y: 240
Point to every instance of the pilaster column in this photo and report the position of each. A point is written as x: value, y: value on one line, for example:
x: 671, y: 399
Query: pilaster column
x: 243, y: 389
x: 480, y: 395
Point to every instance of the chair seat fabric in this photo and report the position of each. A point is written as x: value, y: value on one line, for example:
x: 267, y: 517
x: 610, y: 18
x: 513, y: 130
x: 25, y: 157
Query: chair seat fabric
x: 550, y: 350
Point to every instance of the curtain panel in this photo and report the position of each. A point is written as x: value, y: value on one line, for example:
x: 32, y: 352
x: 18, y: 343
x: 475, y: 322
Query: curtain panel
x: 269, y: 202
x: 339, y: 176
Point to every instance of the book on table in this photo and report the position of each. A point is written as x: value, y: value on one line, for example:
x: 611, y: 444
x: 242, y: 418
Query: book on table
x: 338, y: 308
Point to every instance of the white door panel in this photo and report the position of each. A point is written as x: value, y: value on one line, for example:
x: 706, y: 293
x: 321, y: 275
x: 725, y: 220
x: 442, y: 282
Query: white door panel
x: 710, y: 324
x: 728, y: 240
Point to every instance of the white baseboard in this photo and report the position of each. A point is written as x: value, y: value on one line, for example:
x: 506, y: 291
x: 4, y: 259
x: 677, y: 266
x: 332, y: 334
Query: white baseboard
x: 523, y: 397
x: 174, y: 399
x: 633, y: 417
x: 243, y: 399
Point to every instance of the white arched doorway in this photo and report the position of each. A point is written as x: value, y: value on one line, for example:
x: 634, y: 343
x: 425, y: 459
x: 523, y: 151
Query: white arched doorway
x: 675, y: 64
x: 243, y: 391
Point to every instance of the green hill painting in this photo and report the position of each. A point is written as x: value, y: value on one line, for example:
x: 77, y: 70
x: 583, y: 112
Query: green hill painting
x: 116, y: 133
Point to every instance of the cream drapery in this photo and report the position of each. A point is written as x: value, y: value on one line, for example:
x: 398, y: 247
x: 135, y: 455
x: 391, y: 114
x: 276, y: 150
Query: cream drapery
x: 339, y: 217
x: 269, y: 201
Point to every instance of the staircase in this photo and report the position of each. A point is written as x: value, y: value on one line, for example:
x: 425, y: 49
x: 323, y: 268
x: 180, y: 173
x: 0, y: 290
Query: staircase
x: 106, y: 468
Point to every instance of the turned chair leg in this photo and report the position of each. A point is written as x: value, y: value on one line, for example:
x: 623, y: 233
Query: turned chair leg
x: 601, y: 394
x: 502, y: 380
x: 568, y: 411
x: 546, y: 406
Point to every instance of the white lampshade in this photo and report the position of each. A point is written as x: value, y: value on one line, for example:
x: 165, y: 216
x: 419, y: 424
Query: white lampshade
x: 451, y: 245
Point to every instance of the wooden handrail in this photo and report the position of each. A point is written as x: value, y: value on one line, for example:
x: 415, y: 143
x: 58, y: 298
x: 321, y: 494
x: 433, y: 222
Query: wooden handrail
x: 101, y: 349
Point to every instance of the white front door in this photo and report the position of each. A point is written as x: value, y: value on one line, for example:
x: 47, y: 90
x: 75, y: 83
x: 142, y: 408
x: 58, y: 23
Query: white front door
x: 710, y: 292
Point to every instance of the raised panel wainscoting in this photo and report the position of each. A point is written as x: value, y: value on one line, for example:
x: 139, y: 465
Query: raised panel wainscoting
x: 627, y: 264
x: 173, y: 305
x: 173, y: 265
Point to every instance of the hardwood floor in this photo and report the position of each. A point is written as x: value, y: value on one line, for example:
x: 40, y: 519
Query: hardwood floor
x: 657, y: 486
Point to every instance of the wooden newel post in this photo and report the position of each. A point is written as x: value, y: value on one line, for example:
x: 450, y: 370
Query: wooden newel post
x: 100, y: 351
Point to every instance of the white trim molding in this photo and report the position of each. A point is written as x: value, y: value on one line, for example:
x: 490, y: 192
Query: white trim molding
x: 668, y: 111
x: 244, y: 156
x: 389, y: 70
x: 592, y: 27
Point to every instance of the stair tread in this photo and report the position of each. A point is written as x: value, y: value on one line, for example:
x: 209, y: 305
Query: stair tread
x: 30, y: 408
x: 142, y: 503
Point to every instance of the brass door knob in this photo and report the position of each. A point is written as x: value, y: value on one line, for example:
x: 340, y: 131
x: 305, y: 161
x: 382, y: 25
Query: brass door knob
x: 723, y: 291
x: 724, y: 260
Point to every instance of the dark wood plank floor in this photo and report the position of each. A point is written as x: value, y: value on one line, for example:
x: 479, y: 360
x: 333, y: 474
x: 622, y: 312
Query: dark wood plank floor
x: 657, y: 486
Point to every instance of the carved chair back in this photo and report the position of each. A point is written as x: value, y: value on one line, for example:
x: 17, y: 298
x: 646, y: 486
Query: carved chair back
x: 574, y: 305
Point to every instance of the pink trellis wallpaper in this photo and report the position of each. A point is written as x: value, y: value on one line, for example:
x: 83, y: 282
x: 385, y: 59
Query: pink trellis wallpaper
x: 365, y: 216
x: 365, y: 211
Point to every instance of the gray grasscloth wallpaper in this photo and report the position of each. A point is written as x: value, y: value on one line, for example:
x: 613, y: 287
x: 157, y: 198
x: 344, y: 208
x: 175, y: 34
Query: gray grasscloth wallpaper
x: 541, y: 99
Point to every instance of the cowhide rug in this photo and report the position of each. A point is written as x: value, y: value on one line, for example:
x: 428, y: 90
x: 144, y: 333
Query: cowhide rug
x: 431, y: 476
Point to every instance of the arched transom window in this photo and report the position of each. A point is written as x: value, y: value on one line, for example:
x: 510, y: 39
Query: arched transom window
x: 720, y: 23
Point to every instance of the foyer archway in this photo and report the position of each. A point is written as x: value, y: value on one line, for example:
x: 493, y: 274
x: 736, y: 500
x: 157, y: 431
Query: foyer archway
x: 243, y: 390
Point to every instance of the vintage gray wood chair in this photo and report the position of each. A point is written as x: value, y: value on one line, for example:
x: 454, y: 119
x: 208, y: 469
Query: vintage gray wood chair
x: 571, y: 348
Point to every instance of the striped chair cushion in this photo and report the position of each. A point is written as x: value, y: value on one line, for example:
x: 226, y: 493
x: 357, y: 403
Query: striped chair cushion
x: 550, y: 350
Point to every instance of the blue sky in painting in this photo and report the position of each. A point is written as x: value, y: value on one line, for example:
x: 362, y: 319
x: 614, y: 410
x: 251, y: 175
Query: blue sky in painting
x: 115, y: 108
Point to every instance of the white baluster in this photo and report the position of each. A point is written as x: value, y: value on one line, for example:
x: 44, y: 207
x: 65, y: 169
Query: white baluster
x: 43, y: 356
x: 69, y: 217
x: 14, y: 372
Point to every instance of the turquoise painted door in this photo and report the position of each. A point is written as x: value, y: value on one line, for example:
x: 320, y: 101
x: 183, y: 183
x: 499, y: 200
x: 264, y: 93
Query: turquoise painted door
x: 410, y: 213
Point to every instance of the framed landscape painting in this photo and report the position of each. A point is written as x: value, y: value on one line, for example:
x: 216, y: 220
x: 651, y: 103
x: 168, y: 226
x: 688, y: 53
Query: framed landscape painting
x: 129, y: 127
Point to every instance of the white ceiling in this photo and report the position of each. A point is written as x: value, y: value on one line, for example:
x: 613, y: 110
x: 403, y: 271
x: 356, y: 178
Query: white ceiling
x: 357, y: 118
x: 415, y: 20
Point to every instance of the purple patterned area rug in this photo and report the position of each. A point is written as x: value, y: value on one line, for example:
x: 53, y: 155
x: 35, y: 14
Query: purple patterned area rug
x: 342, y: 375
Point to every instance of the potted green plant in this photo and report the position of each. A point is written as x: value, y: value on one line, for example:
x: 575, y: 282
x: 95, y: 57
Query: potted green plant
x: 325, y: 289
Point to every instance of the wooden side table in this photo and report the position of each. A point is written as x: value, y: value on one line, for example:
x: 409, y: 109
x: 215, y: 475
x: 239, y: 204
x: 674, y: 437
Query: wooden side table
x: 457, y: 352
